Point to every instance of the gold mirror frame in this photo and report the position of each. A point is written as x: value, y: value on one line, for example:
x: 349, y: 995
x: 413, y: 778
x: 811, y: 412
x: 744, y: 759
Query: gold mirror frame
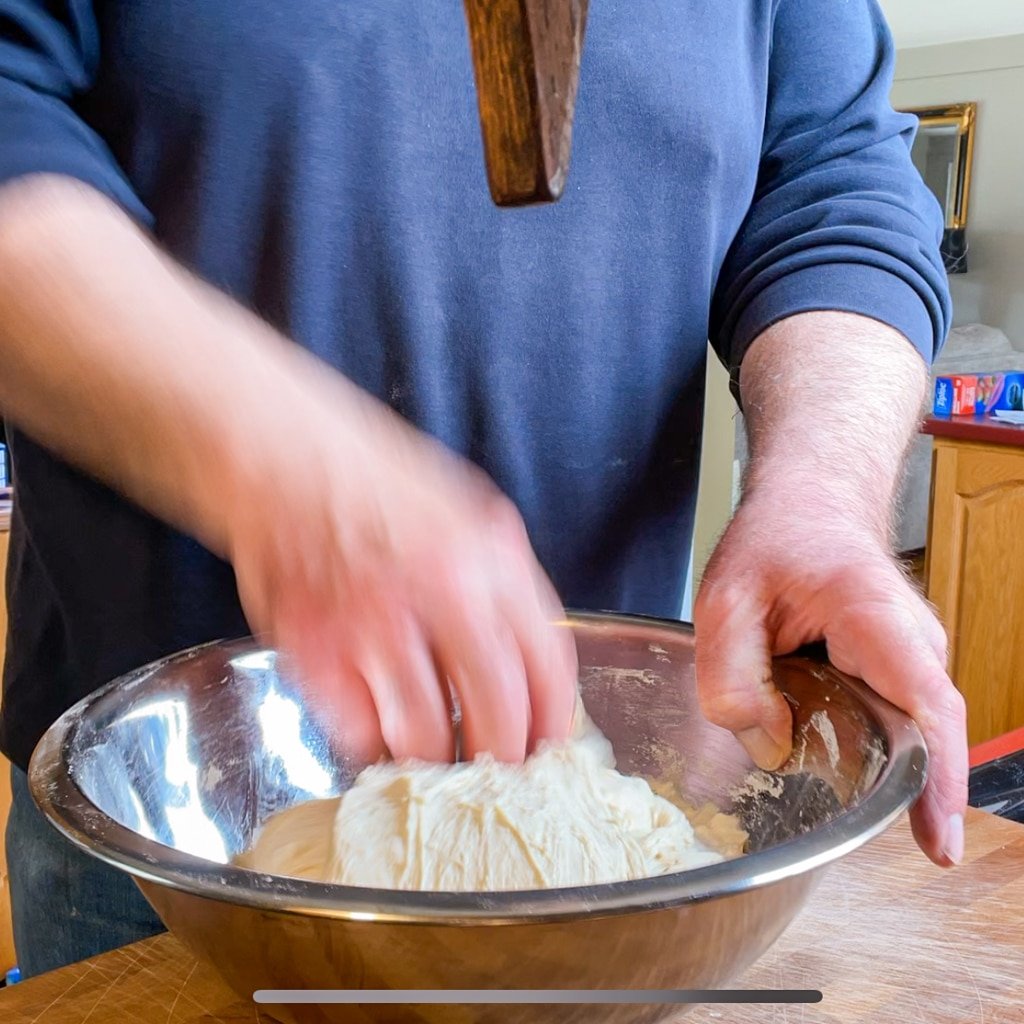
x: 962, y: 117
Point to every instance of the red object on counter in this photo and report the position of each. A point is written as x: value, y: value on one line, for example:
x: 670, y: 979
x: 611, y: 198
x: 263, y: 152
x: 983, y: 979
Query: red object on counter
x: 998, y: 746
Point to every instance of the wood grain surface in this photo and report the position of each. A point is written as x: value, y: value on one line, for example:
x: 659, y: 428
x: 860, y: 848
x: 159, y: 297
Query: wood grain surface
x: 526, y: 62
x: 887, y: 938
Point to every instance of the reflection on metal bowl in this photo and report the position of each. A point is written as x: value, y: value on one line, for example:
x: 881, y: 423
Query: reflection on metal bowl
x: 168, y: 772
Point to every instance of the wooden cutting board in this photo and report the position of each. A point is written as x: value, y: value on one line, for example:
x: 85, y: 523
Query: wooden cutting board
x: 887, y: 938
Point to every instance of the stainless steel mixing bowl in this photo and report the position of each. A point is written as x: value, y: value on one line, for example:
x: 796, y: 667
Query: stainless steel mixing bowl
x: 168, y: 772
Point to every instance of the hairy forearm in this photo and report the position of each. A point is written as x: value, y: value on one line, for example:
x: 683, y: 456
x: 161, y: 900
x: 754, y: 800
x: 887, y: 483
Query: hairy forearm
x: 831, y: 402
x: 120, y: 361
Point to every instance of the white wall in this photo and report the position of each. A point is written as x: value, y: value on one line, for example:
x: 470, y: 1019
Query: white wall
x: 686, y: 612
x: 931, y: 22
x: 716, y: 492
x: 990, y: 72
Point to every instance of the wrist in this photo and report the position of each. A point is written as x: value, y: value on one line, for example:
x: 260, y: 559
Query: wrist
x: 261, y: 462
x: 822, y: 499
x: 297, y: 441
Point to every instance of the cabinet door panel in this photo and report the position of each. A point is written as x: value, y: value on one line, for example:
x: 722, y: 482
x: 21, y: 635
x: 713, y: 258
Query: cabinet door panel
x: 976, y: 579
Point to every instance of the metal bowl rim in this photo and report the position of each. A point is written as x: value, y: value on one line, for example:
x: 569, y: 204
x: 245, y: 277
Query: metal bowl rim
x: 898, y: 785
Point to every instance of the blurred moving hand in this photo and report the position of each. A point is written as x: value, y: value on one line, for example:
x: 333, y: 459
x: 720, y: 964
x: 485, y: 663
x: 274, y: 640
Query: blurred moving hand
x: 396, y: 567
x: 384, y: 567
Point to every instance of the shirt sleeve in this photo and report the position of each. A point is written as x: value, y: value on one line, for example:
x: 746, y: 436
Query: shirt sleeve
x: 840, y: 218
x: 49, y: 51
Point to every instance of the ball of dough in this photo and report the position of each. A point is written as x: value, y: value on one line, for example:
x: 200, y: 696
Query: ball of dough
x: 565, y: 818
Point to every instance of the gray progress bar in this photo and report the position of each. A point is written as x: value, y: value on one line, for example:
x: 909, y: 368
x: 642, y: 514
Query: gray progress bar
x: 540, y: 996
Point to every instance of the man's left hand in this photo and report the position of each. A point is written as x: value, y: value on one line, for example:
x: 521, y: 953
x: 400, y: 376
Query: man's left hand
x: 778, y: 581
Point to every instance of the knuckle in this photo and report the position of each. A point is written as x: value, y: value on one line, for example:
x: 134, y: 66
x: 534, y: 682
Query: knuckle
x: 718, y: 600
x: 505, y: 518
x: 938, y: 631
x: 728, y: 706
x: 947, y: 787
x: 940, y: 706
x: 955, y: 709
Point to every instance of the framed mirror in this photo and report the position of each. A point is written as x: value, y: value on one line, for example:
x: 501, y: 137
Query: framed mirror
x: 943, y: 153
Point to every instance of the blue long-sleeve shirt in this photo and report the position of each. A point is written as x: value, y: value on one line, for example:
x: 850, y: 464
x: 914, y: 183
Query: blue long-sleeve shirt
x: 734, y: 163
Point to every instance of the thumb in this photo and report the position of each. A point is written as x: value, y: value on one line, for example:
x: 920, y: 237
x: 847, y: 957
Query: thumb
x: 734, y: 672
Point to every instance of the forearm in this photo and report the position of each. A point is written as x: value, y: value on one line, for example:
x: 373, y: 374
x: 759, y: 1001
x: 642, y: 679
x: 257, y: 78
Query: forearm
x: 399, y: 564
x: 831, y: 402
x: 120, y: 361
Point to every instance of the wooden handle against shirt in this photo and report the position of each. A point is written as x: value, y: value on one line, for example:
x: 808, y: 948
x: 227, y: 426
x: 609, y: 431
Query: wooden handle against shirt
x: 526, y: 58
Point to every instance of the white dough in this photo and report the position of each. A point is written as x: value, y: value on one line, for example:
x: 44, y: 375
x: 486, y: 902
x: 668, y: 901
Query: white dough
x: 565, y: 818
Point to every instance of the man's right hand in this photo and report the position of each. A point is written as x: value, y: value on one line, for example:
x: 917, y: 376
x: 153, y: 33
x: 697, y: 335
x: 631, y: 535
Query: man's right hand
x: 383, y: 566
x: 388, y: 568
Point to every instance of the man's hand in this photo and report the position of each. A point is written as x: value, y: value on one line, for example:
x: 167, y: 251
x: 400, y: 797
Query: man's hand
x: 808, y: 556
x: 383, y: 566
x: 391, y: 567
x: 781, y: 578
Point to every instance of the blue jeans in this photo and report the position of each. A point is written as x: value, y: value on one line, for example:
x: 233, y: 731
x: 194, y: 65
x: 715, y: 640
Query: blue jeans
x: 66, y: 905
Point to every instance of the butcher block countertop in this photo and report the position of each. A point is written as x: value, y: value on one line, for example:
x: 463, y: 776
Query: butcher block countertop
x: 886, y: 937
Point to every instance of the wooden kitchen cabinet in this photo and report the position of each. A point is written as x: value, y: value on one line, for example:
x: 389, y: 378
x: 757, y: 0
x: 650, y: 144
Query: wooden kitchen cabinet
x: 975, y: 566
